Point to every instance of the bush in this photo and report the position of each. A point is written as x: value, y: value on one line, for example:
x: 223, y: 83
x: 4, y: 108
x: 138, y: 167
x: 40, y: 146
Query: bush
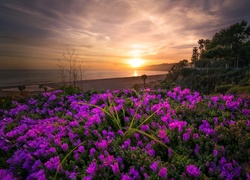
x: 222, y: 89
x: 239, y: 90
x: 186, y: 72
x: 153, y: 134
x: 5, y: 102
x: 70, y: 90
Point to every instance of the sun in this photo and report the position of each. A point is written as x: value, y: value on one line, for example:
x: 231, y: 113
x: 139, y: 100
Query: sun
x: 135, y: 62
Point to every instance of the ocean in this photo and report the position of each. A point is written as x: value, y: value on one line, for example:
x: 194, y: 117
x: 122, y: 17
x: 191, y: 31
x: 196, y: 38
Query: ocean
x: 29, y: 77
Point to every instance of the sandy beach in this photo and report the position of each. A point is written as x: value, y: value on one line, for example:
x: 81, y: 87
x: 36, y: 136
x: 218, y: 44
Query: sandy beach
x: 98, y: 84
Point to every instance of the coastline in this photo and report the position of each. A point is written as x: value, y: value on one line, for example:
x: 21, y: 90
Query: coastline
x: 114, y: 83
x: 97, y: 84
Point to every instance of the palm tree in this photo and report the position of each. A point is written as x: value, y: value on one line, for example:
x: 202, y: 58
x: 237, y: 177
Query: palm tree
x: 41, y: 86
x: 21, y: 88
x: 144, y: 77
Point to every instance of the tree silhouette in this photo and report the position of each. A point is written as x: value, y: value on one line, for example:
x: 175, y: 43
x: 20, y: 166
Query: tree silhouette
x: 144, y: 77
x: 21, y: 88
x: 229, y: 48
x: 70, y: 67
x: 195, y: 56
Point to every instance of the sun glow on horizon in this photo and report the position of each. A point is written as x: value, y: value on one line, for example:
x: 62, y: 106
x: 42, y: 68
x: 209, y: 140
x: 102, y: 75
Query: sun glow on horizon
x: 135, y: 73
x: 135, y: 62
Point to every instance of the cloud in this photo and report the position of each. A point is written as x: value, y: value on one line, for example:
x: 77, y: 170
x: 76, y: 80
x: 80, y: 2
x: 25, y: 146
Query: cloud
x: 107, y: 29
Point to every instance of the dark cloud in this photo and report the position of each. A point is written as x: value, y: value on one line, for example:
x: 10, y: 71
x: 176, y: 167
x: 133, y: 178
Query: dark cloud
x: 110, y: 29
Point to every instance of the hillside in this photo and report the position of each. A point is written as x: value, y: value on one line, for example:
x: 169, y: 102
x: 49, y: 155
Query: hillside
x: 158, y: 67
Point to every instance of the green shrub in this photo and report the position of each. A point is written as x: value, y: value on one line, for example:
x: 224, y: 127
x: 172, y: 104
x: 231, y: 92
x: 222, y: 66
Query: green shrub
x: 222, y: 88
x: 5, y: 102
x: 70, y: 90
x: 245, y: 82
x: 186, y: 71
x: 240, y: 90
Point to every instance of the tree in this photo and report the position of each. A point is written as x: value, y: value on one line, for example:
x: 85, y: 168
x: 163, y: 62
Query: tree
x: 244, y: 59
x: 176, y: 69
x: 70, y: 67
x: 21, y: 88
x: 195, y: 56
x: 144, y: 77
x: 203, y: 45
x: 227, y: 46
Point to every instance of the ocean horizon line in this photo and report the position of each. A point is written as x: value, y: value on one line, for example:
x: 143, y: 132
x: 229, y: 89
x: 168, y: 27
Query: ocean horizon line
x: 16, y: 78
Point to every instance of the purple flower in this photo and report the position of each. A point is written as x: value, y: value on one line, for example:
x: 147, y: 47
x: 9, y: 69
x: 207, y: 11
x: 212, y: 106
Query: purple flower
x: 119, y: 159
x: 40, y: 175
x: 52, y: 98
x: 108, y: 160
x: 195, y: 136
x: 5, y: 175
x: 64, y: 146
x: 92, y: 151
x: 206, y: 128
x: 71, y: 175
x: 53, y: 163
x: 137, y: 136
x: 81, y: 149
x: 196, y: 150
x: 248, y: 123
x: 126, y: 144
x: 163, y: 173
x: 36, y: 165
x: 214, y: 99
x: 185, y: 136
x: 146, y: 176
x: 151, y: 152
x: 101, y: 157
x: 222, y: 161
x: 102, y: 145
x: 134, y: 173
x: 115, y: 168
x: 177, y: 125
x: 162, y: 134
x: 145, y: 127
x: 87, y: 178
x: 154, y: 166
x: 91, y: 170
x: 76, y: 156
x: 120, y: 132
x: 57, y: 141
x: 126, y: 177
x: 215, y: 152
x: 192, y: 170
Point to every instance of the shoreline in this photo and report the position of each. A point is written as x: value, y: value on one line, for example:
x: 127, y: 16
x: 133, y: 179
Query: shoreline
x: 97, y: 84
x: 113, y: 83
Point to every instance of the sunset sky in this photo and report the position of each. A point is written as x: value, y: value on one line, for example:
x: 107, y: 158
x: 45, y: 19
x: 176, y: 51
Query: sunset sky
x: 109, y: 33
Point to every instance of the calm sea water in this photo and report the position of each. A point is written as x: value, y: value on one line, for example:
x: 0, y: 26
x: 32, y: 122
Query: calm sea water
x: 20, y: 77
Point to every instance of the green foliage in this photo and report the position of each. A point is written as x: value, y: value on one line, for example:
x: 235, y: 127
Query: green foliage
x: 237, y: 140
x: 70, y: 90
x: 136, y: 87
x: 209, y: 81
x: 176, y: 69
x: 240, y: 90
x: 186, y: 72
x: 5, y: 102
x: 222, y: 88
x: 229, y: 48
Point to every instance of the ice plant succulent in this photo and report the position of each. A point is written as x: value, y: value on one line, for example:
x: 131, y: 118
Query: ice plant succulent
x: 148, y: 134
x: 193, y: 171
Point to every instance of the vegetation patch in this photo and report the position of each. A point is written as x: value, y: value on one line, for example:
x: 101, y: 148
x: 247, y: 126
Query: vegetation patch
x: 144, y: 134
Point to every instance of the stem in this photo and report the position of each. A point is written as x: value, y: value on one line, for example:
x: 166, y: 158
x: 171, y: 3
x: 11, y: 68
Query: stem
x: 64, y: 159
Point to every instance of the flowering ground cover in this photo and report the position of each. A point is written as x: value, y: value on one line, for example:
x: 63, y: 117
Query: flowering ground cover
x: 151, y: 134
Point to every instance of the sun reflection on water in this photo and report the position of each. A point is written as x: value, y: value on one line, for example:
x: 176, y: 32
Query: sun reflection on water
x: 135, y: 73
